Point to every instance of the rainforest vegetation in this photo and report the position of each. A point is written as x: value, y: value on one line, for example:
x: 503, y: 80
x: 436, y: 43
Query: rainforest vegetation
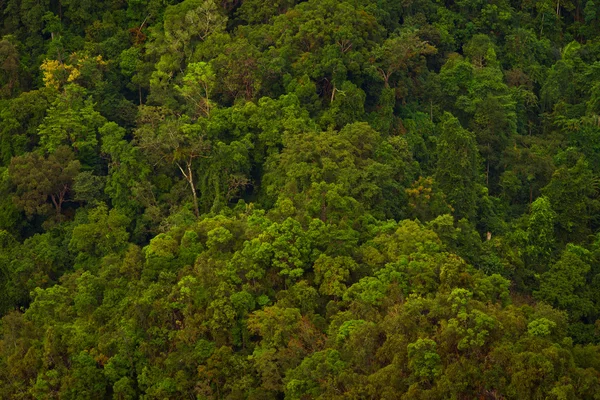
x: 284, y: 199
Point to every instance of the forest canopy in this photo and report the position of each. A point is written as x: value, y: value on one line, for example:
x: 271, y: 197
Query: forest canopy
x: 322, y: 199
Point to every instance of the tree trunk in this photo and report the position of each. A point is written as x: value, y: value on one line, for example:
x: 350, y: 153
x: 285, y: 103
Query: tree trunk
x: 530, y: 194
x: 196, y: 210
x: 56, y: 203
x: 59, y: 199
x: 189, y: 176
x: 386, y: 77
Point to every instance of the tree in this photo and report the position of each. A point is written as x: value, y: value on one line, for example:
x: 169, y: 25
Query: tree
x: 475, y: 91
x: 332, y: 273
x: 425, y: 201
x: 198, y: 84
x: 164, y: 137
x: 72, y: 121
x: 19, y: 121
x: 185, y: 26
x: 540, y: 233
x: 561, y: 286
x: 423, y: 359
x: 237, y: 71
x: 529, y: 168
x: 9, y: 67
x: 40, y: 179
x: 126, y: 167
x: 191, y: 20
x: 102, y: 234
x: 573, y: 192
x: 457, y: 166
x: 401, y: 55
x: 260, y: 12
x: 330, y: 173
x: 315, y: 376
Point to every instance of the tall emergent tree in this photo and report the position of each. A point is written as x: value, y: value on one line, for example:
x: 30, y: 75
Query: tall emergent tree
x: 457, y: 166
x: 168, y: 138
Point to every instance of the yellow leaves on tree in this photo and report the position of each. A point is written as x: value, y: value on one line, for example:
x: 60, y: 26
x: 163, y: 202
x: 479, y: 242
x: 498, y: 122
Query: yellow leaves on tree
x: 58, y: 73
x: 425, y: 200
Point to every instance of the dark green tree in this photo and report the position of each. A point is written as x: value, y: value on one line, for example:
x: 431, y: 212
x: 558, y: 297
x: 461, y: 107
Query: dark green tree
x: 457, y: 166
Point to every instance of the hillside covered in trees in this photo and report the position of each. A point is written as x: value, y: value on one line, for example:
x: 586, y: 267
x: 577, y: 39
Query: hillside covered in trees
x: 283, y: 199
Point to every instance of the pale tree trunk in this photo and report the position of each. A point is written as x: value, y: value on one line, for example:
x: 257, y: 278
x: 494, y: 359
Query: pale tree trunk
x: 189, y: 176
x: 59, y: 198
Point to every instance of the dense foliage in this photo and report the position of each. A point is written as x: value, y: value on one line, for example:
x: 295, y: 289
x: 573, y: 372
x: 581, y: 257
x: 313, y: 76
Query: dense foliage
x: 335, y: 199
